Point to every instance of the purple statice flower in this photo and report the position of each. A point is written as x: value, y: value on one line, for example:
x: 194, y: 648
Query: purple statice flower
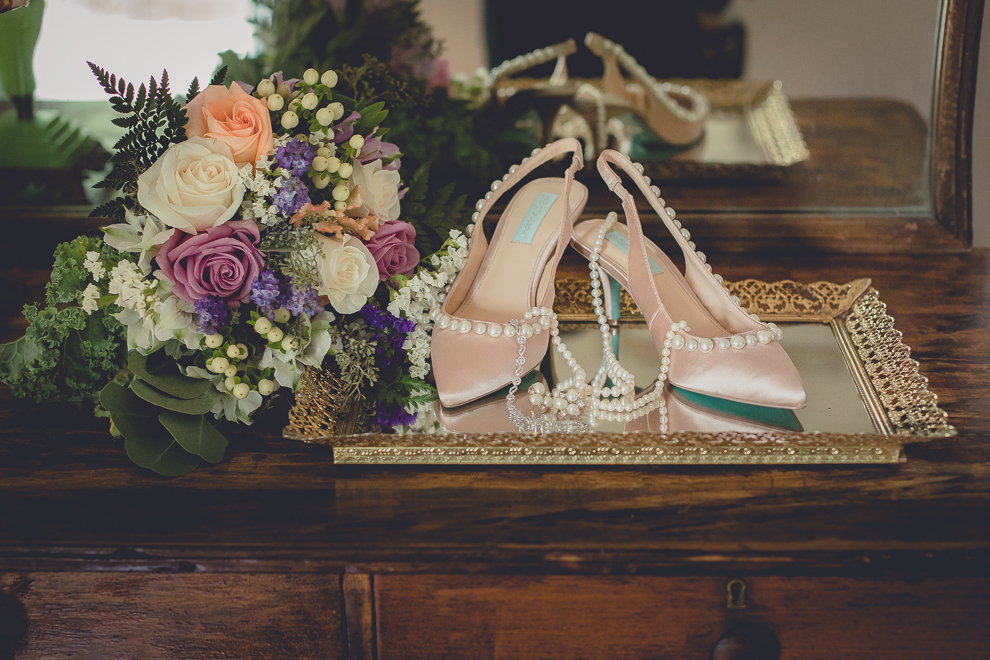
x: 390, y: 336
x: 291, y: 196
x: 302, y: 301
x: 269, y: 292
x: 296, y: 156
x: 266, y: 292
x: 389, y: 417
x: 212, y: 313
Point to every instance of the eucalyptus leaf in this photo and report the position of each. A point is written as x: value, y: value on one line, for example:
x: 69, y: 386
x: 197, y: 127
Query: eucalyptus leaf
x: 159, y: 452
x: 195, y: 434
x: 168, y: 380
x: 197, y: 406
x: 146, y: 441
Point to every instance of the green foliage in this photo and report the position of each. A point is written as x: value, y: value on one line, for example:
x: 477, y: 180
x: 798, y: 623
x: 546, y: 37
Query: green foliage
x: 299, y: 34
x: 162, y: 416
x: 66, y: 354
x: 404, y: 391
x: 432, y: 212
x: 146, y: 440
x: 154, y: 121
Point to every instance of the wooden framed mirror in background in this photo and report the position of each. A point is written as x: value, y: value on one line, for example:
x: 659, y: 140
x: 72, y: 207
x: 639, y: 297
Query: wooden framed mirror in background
x: 883, y: 175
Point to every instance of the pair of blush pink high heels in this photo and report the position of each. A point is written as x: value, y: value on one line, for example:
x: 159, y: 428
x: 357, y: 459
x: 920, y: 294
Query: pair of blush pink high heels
x: 707, y: 343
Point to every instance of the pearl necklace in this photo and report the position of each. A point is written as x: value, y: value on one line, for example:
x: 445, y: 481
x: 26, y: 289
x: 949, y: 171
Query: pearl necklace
x: 560, y: 410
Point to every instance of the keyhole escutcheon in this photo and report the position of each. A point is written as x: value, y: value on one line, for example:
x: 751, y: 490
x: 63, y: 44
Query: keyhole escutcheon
x: 736, y: 595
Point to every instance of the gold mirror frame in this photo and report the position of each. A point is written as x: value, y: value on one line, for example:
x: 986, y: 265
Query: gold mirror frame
x: 893, y: 390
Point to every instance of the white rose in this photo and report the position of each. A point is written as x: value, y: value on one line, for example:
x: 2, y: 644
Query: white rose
x: 193, y: 186
x: 347, y: 272
x: 379, y: 188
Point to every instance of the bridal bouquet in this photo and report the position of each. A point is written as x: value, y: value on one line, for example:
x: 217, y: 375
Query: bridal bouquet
x: 257, y: 233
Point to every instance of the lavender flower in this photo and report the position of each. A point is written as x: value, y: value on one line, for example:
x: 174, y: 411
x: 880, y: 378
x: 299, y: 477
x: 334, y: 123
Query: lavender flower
x: 296, y: 156
x: 270, y: 292
x: 291, y: 197
x: 302, y: 301
x: 212, y: 312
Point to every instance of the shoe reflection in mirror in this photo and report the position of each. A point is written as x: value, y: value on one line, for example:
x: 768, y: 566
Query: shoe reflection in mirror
x: 488, y: 414
x: 688, y: 411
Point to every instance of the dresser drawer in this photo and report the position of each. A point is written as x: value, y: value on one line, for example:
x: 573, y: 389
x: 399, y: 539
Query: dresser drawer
x: 132, y: 616
x: 614, y: 618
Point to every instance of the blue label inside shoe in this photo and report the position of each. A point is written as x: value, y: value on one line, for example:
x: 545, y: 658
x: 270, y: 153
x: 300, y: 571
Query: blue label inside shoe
x: 534, y: 218
x: 621, y: 241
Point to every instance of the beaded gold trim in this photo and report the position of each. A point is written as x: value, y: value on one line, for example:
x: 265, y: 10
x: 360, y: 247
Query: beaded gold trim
x: 784, y: 301
x: 618, y: 449
x: 889, y: 380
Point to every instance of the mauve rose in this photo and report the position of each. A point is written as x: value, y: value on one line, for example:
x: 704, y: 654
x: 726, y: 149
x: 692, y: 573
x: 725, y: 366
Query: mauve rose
x: 222, y: 261
x: 393, y: 247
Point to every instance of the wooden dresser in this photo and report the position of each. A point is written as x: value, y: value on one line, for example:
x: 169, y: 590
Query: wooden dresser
x: 277, y: 553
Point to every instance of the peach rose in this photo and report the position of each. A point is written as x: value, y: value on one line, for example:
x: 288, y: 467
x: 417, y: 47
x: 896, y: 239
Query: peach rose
x: 235, y: 117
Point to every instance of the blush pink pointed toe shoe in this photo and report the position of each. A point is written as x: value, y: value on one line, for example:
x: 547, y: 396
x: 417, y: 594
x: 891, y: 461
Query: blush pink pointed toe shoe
x: 707, y: 343
x: 474, y: 350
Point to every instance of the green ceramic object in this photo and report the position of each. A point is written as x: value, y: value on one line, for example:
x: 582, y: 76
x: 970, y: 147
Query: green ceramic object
x: 19, y: 30
x: 29, y: 142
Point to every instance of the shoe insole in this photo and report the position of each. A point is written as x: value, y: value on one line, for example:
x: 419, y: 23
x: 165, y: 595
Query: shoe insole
x: 512, y: 276
x: 679, y: 299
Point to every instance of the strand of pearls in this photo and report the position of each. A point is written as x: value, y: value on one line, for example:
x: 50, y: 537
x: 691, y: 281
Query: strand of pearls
x: 560, y: 410
x: 618, y: 401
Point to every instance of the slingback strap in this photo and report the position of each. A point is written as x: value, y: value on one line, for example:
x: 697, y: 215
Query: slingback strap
x: 639, y: 262
x: 614, y: 54
x: 529, y: 164
x: 528, y: 61
x: 479, y: 243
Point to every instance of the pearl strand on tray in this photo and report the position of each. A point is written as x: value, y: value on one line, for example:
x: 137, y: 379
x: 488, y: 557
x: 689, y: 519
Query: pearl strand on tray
x: 615, y: 402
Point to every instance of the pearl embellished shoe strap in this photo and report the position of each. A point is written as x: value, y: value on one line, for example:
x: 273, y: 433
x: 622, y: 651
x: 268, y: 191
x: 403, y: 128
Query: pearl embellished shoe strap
x: 479, y: 244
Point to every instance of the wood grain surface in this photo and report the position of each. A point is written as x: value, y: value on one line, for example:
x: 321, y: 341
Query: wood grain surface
x: 69, y: 497
x: 625, y: 618
x: 111, y: 616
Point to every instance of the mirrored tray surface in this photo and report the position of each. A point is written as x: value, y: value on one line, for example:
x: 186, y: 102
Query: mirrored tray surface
x: 865, y: 397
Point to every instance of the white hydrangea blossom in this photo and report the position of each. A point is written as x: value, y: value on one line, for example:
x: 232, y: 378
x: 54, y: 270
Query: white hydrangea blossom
x: 419, y: 300
x: 90, y: 296
x: 151, y: 314
x: 93, y: 264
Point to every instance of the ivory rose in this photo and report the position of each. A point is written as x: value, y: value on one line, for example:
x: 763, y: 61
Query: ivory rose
x: 235, y: 117
x: 380, y: 189
x: 347, y: 272
x: 193, y: 186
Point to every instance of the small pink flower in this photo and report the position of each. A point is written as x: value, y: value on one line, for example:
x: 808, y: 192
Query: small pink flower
x: 222, y: 261
x: 394, y: 249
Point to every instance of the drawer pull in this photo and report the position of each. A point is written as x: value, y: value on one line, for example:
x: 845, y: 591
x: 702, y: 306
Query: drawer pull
x: 736, y: 598
x: 746, y: 642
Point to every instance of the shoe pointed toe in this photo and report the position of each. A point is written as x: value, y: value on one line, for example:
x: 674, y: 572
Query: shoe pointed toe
x: 761, y: 375
x: 469, y: 366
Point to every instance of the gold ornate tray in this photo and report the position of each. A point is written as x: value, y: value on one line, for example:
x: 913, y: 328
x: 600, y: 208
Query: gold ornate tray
x: 896, y: 405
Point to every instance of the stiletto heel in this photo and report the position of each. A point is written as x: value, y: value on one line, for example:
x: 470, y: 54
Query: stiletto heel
x: 508, y: 286
x: 707, y: 343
